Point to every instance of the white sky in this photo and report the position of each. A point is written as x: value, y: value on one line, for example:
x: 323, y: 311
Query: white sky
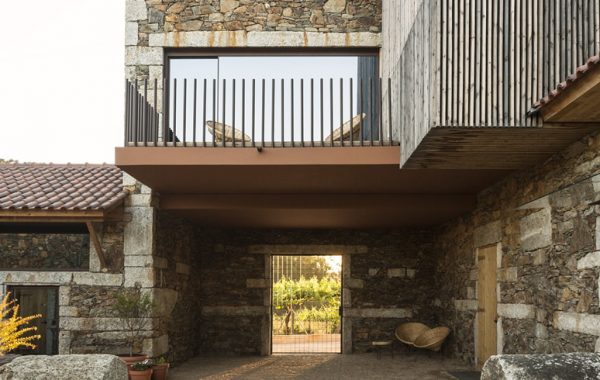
x: 61, y: 81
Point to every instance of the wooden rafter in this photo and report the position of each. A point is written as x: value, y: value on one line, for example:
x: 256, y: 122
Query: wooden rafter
x: 44, y: 216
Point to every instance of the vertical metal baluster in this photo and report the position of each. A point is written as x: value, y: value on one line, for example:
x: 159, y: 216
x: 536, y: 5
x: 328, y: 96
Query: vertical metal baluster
x: 145, y: 115
x: 174, y: 135
x: 331, y: 110
x: 214, y: 113
x: 342, y: 111
x: 361, y: 89
x: 322, y: 116
x: 253, y: 111
x: 126, y: 131
x: 224, y: 113
x: 351, y: 112
x: 195, y: 99
x: 165, y: 113
x: 233, y: 143
x: 204, y: 113
x: 282, y: 113
x: 273, y: 113
x: 371, y: 109
x: 243, y: 112
x: 390, y: 110
x: 262, y: 114
x: 302, y: 112
x: 155, y: 113
x: 184, y: 109
x: 380, y: 109
x: 292, y: 109
x: 136, y: 113
x: 312, y: 112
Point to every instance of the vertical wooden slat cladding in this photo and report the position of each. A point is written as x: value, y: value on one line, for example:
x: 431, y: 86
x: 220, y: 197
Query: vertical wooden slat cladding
x: 480, y: 63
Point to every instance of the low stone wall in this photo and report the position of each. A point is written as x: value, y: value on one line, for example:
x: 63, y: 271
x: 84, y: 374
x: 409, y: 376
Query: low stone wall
x: 548, y: 230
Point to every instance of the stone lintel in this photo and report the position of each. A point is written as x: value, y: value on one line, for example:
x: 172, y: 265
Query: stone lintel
x: 577, y: 322
x: 516, y: 311
x: 307, y: 249
x: 241, y: 38
x: 378, y: 313
x: 98, y: 324
x: 235, y: 310
x: 536, y: 230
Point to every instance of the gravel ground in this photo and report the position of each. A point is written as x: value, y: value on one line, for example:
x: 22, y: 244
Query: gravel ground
x: 357, y: 366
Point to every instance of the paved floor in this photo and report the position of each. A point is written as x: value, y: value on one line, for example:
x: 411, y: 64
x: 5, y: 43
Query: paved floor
x: 357, y: 366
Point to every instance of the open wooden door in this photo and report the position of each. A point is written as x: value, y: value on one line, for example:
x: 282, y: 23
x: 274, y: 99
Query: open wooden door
x: 486, y: 304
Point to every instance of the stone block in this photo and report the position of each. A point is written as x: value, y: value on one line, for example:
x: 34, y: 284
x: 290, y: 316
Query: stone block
x: 465, y: 305
x: 139, y: 200
x: 487, y: 234
x: 334, y: 6
x: 160, y: 262
x: 131, y: 33
x: 182, y: 268
x: 68, y: 311
x: 508, y: 274
x: 156, y: 346
x: 65, y: 367
x: 577, y: 322
x: 378, y: 313
x: 589, y: 261
x: 139, y: 232
x: 411, y: 273
x: 38, y: 278
x: 373, y: 271
x: 228, y: 5
x: 97, y: 324
x: 541, y: 332
x: 98, y: 279
x: 260, y: 283
x: 64, y: 342
x: 516, y: 311
x: 64, y: 295
x: 396, y: 272
x: 576, y: 365
x: 136, y: 10
x: 354, y: 283
x: 237, y: 38
x: 164, y: 301
x: 536, y: 230
x: 143, y: 55
x: 138, y: 261
x: 138, y: 276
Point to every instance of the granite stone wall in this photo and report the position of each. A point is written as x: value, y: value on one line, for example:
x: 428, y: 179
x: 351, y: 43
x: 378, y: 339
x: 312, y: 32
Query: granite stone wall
x: 548, y: 230
x: 21, y: 251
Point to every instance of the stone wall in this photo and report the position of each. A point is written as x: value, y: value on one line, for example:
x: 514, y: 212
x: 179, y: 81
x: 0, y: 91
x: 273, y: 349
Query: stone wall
x: 387, y: 280
x: 21, y: 251
x: 548, y: 231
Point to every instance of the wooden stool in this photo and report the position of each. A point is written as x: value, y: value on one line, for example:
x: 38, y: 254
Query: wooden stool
x: 381, y: 345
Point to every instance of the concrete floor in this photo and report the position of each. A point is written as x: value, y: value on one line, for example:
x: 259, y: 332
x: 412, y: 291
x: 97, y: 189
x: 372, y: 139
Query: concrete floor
x: 357, y: 366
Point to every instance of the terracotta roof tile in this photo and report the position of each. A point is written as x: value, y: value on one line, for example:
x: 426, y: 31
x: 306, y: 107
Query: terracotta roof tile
x: 60, y: 187
x: 577, y: 76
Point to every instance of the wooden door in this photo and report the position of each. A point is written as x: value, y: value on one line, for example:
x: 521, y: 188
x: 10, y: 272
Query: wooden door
x: 486, y: 303
x: 40, y: 300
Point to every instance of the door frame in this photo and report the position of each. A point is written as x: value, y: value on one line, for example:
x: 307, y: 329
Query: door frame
x: 271, y: 278
x: 494, y: 263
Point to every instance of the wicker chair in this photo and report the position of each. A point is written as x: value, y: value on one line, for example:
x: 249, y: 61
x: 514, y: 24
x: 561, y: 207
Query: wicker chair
x: 407, y: 333
x: 432, y: 339
x: 232, y: 135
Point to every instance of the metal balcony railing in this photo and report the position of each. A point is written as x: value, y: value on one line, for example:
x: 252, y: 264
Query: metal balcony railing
x: 259, y: 113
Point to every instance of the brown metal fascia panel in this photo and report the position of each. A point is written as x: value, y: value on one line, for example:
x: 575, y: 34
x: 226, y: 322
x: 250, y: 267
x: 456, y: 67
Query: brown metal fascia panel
x: 194, y: 156
x: 200, y: 202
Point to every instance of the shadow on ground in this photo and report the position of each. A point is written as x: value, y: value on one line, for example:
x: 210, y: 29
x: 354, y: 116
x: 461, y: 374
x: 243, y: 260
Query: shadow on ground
x: 357, y: 366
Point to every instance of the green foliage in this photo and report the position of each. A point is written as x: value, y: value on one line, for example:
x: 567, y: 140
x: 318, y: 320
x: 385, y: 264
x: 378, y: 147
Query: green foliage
x: 307, y: 305
x: 133, y: 309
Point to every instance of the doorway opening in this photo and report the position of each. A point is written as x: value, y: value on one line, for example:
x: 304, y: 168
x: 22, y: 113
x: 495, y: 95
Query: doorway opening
x: 40, y: 300
x: 306, y: 304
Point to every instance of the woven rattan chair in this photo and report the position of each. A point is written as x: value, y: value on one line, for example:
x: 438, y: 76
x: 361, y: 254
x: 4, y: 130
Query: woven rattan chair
x: 432, y: 339
x: 408, y: 332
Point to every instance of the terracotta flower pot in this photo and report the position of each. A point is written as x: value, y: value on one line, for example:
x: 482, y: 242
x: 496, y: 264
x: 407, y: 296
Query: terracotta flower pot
x: 160, y: 371
x: 132, y: 359
x: 140, y: 375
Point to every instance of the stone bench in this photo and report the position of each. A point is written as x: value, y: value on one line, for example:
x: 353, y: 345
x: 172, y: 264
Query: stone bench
x: 65, y: 367
x: 577, y: 365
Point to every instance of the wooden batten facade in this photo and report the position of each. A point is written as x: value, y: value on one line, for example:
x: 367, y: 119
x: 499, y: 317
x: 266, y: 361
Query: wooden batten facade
x: 472, y: 65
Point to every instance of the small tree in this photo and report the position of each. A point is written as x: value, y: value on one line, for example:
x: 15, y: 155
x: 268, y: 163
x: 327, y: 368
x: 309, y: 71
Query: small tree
x: 134, y: 310
x: 14, y: 332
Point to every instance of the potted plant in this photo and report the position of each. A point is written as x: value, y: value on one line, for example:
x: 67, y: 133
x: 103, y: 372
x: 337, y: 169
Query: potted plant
x: 134, y: 310
x: 141, y: 370
x: 160, y: 369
